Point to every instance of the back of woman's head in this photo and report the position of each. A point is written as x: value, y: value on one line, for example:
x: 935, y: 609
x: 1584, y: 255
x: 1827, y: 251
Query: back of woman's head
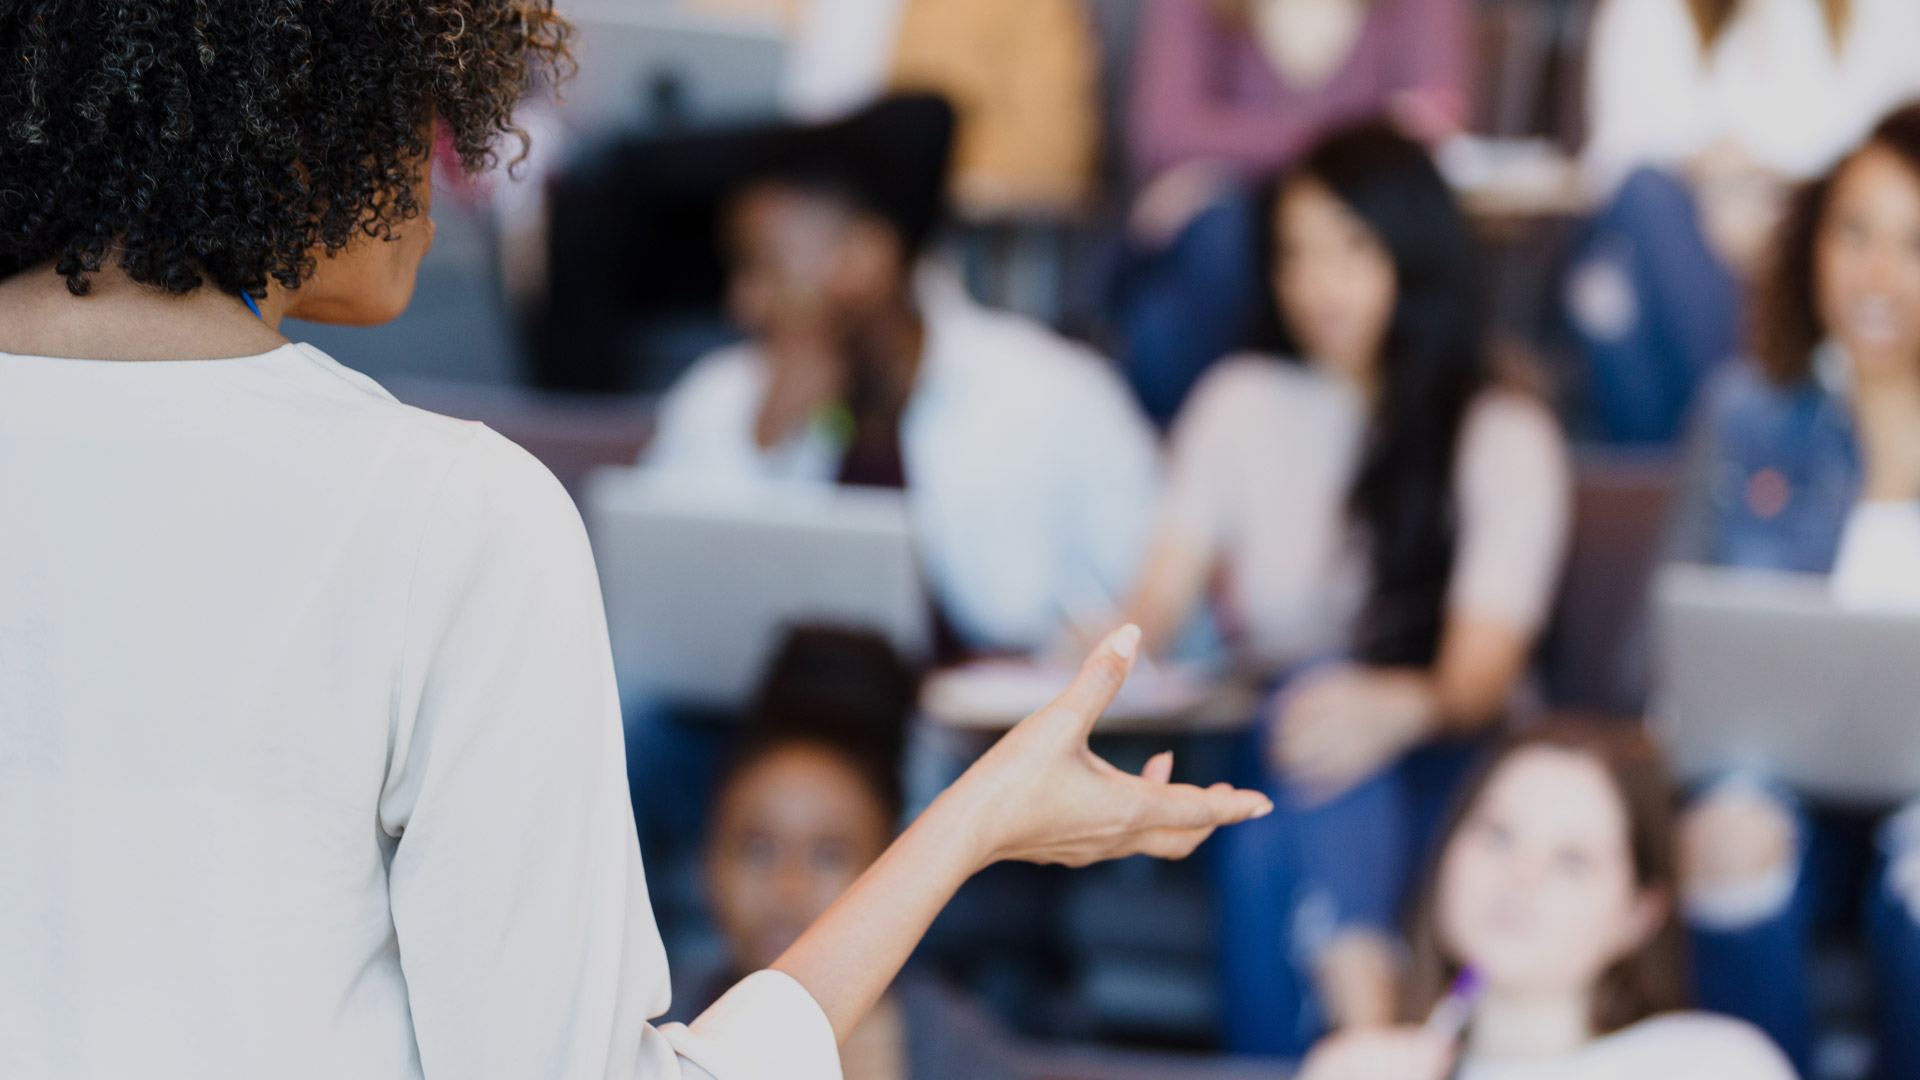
x: 1788, y: 325
x: 1432, y: 365
x: 192, y: 140
x: 1644, y: 977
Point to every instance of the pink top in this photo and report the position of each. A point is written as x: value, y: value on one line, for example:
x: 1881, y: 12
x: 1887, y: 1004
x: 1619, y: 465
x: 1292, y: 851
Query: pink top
x: 1203, y: 89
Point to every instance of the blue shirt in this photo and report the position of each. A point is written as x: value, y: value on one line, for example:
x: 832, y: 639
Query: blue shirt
x: 1771, y: 475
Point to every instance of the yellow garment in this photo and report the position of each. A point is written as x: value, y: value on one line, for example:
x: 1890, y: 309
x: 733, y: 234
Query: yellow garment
x: 1023, y: 76
x: 780, y: 12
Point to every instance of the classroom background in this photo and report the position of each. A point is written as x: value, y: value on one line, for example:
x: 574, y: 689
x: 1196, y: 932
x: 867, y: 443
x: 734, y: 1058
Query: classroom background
x: 1101, y: 193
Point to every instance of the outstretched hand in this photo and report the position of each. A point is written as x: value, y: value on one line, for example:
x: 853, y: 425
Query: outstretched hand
x: 1042, y: 795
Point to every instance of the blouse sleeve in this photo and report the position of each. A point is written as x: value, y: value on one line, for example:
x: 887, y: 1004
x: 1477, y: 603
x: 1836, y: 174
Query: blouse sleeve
x: 1174, y: 116
x: 1515, y: 498
x: 1204, y: 459
x: 1435, y: 40
x: 518, y: 901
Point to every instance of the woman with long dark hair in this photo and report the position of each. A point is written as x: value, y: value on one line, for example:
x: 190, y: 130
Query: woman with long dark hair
x: 1383, y: 516
x: 310, y: 759
x: 1553, y: 894
x: 1224, y: 92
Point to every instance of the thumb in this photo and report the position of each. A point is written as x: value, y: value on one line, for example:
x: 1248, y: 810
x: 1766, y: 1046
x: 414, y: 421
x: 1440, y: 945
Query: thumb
x: 1100, y: 678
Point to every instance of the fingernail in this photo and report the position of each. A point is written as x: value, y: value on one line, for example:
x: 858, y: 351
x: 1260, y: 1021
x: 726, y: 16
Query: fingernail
x: 1265, y: 809
x: 1126, y: 641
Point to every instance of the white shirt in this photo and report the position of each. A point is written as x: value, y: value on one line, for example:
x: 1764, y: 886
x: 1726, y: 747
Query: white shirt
x: 1031, y: 473
x: 1878, y: 564
x: 1677, y: 1046
x: 1774, y: 84
x: 310, y: 754
x: 1263, y: 460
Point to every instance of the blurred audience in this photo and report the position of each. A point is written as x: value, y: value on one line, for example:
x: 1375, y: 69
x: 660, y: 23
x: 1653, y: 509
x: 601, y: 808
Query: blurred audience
x: 1809, y: 460
x: 1702, y: 113
x: 1022, y: 74
x: 1385, y: 515
x: 1226, y: 92
x: 1029, y: 469
x: 804, y: 803
x: 1556, y: 886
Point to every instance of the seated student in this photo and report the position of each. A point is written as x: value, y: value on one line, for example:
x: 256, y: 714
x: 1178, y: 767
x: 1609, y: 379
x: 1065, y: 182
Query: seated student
x: 1030, y: 472
x: 1809, y: 461
x: 1702, y: 113
x: 1556, y: 886
x: 1225, y: 92
x: 1376, y: 505
x: 804, y: 804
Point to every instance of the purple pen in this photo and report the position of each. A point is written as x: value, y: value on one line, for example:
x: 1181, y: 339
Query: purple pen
x: 1449, y: 1018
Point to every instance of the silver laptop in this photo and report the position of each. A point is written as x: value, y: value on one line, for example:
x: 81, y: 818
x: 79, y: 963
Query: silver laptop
x: 656, y: 67
x: 702, y: 585
x: 1763, y: 671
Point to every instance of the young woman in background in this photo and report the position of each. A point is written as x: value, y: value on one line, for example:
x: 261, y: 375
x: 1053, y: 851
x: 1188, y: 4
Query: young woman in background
x: 1702, y: 113
x: 1809, y: 461
x: 1384, y: 516
x: 1556, y: 885
x: 1226, y: 92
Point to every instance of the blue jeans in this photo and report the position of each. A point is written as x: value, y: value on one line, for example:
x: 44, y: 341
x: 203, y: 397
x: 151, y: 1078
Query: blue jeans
x: 1187, y: 305
x: 1292, y: 879
x: 1759, y: 972
x: 1653, y: 308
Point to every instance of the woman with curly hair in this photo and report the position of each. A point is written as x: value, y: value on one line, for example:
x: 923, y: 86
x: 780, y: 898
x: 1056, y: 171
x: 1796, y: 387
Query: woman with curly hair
x: 310, y: 759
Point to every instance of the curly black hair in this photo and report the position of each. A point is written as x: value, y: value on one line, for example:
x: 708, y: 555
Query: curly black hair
x: 227, y: 140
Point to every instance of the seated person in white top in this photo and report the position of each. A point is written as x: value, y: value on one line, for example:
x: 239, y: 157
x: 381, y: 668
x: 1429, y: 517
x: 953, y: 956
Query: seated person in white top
x: 309, y: 748
x: 1030, y: 471
x: 1372, y: 503
x: 1556, y: 885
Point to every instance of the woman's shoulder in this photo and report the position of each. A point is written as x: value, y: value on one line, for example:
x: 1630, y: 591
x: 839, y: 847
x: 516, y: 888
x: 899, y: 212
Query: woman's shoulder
x: 1260, y: 396
x: 1515, y: 418
x: 1264, y: 382
x: 1699, y: 1045
x: 1741, y: 393
x: 440, y: 452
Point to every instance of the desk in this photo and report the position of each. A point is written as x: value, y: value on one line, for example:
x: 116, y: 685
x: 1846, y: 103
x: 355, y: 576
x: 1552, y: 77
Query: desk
x: 992, y: 696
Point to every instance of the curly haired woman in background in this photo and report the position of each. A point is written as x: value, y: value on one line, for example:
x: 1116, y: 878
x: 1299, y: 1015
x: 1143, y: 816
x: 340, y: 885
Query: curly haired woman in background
x: 310, y: 759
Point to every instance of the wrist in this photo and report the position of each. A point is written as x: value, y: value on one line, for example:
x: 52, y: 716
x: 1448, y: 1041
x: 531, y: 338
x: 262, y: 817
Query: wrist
x: 959, y: 825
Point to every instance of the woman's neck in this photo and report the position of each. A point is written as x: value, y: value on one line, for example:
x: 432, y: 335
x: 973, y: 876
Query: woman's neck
x: 120, y: 319
x: 1511, y: 1027
x: 1886, y: 407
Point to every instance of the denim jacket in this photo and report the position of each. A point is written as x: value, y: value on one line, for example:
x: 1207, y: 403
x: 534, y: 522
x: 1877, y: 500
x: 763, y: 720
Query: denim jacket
x: 1771, y: 473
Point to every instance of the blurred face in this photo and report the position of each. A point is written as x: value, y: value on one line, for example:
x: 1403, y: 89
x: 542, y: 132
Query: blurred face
x: 792, y: 832
x: 1334, y: 281
x: 804, y: 263
x: 371, y: 280
x: 1867, y: 262
x: 1537, y: 888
